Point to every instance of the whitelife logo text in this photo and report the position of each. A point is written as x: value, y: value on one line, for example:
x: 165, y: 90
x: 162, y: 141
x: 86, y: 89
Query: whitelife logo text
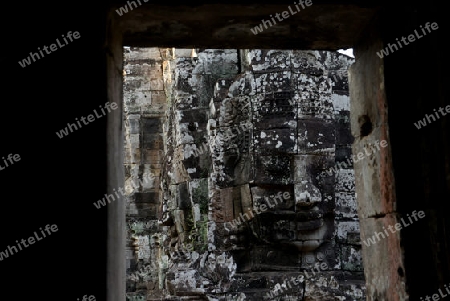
x: 11, y: 159
x: 35, y: 56
x: 372, y: 240
x: 90, y: 118
x: 31, y: 240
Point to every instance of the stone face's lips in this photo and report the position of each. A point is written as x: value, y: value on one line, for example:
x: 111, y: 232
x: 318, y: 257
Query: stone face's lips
x: 303, y: 229
x: 306, y: 245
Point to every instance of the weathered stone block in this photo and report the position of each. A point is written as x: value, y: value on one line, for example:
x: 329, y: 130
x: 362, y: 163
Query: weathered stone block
x: 323, y: 287
x: 177, y: 171
x: 344, y: 154
x: 137, y: 83
x: 152, y: 141
x: 303, y: 61
x: 133, y: 54
x: 158, y: 98
x: 271, y: 286
x: 234, y: 111
x: 182, y: 196
x: 345, y: 180
x: 339, y: 79
x: 148, y: 197
x: 222, y: 205
x: 222, y: 88
x: 273, y: 82
x: 198, y: 166
x: 271, y: 258
x: 132, y: 156
x: 152, y: 125
x: 265, y: 60
x: 242, y: 84
x: 316, y: 136
x: 348, y: 232
x: 351, y: 258
x: 341, y: 106
x: 184, y: 282
x: 342, y: 124
x: 335, y: 61
x: 186, y: 101
x: 142, y: 210
x: 184, y: 52
x: 346, y: 206
x: 134, y: 141
x: 236, y: 139
x: 185, y: 67
x: 156, y: 84
x: 219, y: 61
x: 275, y: 141
x: 242, y: 170
x: 277, y: 170
x: 133, y: 124
x: 153, y: 157
x: 314, y: 96
x: 311, y: 167
x: 198, y: 116
x: 354, y: 289
x: 275, y: 110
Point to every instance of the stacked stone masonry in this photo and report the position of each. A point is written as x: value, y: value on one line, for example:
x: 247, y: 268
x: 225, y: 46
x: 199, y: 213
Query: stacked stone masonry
x: 236, y: 186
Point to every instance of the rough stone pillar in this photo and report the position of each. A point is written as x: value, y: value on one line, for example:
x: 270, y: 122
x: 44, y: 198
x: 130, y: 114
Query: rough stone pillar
x: 375, y: 187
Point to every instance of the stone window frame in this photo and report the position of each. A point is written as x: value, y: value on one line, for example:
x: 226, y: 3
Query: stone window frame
x: 375, y: 188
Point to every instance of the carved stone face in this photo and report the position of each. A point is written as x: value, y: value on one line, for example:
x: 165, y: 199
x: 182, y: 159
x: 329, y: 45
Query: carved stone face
x: 289, y: 154
x: 290, y: 217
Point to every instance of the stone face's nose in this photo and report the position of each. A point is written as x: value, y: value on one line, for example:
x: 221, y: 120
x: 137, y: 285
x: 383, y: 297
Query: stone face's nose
x: 306, y: 195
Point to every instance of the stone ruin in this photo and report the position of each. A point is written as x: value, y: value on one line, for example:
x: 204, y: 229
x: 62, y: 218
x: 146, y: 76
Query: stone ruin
x: 235, y: 176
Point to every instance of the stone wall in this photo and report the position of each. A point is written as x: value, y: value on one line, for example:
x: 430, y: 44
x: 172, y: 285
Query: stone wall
x: 209, y: 135
x: 145, y: 105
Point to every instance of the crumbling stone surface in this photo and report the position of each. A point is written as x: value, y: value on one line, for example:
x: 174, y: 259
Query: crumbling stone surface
x: 246, y: 201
